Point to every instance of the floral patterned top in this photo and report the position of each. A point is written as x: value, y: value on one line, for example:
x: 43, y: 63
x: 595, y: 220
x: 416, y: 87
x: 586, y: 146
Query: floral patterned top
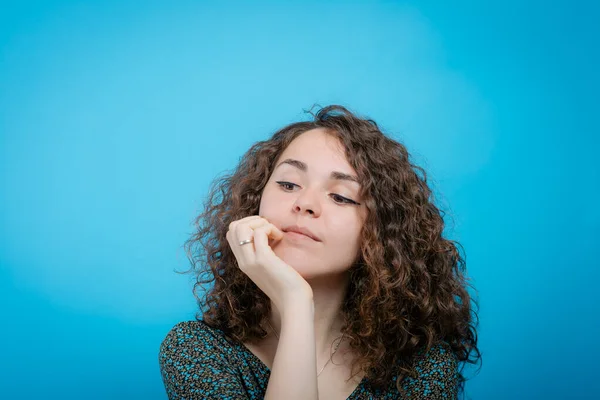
x: 199, y: 362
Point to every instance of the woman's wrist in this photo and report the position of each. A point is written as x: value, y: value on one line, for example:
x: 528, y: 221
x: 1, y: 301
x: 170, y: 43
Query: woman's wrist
x: 297, y: 307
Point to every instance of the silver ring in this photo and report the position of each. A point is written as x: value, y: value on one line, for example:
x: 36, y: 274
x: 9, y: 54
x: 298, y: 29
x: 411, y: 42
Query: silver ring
x: 243, y: 242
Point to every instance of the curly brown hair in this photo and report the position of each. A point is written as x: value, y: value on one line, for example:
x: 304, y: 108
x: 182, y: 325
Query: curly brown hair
x: 407, y: 290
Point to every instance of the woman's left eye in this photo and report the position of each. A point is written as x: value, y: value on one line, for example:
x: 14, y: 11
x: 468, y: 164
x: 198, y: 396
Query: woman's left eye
x: 287, y: 185
x: 340, y: 199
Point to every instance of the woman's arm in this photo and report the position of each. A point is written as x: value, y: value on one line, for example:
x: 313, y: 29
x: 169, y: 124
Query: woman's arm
x: 294, y: 372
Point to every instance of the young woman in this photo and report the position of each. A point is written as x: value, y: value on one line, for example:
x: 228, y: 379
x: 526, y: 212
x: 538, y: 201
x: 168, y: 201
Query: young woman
x: 325, y: 276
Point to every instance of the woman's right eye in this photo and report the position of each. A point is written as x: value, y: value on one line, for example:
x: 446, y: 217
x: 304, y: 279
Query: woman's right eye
x: 288, y: 186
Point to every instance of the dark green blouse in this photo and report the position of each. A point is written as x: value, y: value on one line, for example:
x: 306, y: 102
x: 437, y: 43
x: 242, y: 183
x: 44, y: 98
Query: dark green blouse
x: 200, y: 362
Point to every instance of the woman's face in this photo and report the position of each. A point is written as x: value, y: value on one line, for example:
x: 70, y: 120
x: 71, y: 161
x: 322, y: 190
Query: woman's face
x: 313, y: 187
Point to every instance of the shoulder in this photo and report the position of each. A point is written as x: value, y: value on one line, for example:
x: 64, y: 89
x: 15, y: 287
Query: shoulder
x: 194, y: 332
x: 437, y: 374
x: 193, y: 340
x: 198, y: 361
x: 439, y: 357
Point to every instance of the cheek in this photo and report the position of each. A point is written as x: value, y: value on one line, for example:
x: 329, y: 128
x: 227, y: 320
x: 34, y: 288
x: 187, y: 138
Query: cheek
x: 262, y: 205
x: 345, y: 232
x: 270, y: 203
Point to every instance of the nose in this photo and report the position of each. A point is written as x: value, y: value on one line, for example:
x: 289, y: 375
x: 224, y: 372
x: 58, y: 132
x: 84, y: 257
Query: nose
x: 307, y: 203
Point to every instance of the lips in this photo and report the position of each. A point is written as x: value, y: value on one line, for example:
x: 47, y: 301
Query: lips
x: 303, y: 231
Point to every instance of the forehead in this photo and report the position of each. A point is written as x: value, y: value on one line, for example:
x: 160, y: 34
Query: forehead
x: 320, y: 150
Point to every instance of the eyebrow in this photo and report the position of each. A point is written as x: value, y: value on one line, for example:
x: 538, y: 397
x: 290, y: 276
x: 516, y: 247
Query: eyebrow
x: 341, y: 176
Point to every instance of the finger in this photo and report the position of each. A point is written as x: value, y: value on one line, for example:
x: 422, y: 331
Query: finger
x: 233, y: 237
x: 253, y: 224
x: 261, y: 238
x: 235, y: 223
x: 276, y: 233
x: 273, y: 232
x: 245, y: 231
x: 235, y: 247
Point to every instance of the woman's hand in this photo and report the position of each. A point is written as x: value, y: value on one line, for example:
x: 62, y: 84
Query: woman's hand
x: 278, y: 280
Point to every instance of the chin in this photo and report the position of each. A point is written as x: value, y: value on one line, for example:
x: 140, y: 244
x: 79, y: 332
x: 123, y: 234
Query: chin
x: 302, y: 262
x: 309, y: 267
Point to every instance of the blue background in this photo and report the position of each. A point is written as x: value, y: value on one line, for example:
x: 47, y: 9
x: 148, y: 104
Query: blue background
x: 115, y: 116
